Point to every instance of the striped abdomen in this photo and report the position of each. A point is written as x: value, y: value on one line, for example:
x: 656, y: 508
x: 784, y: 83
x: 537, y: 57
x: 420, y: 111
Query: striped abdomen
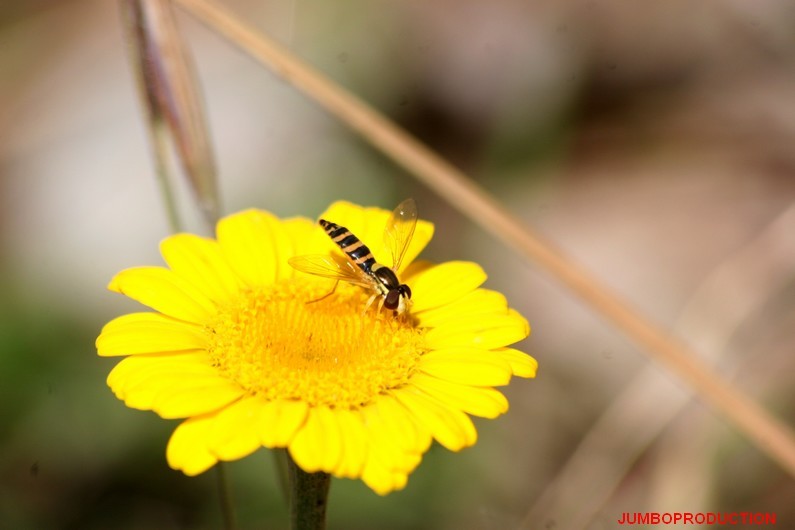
x: 351, y: 245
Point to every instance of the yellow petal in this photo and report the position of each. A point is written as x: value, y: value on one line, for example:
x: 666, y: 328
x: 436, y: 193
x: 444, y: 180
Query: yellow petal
x: 186, y: 450
x: 400, y: 426
x: 399, y: 480
x: 380, y: 479
x: 201, y: 262
x: 279, y: 421
x: 478, y: 401
x: 148, y: 333
x: 468, y: 366
x: 317, y: 446
x: 482, y: 331
x: 354, y: 438
x: 164, y: 291
x: 346, y: 214
x: 233, y: 434
x: 191, y: 396
x: 387, y: 467
x: 444, y: 284
x: 450, y: 427
x: 174, y: 386
x: 477, y: 302
x: 331, y: 440
x: 414, y: 270
x: 522, y: 364
x: 386, y: 445
x: 139, y: 370
x: 132, y: 371
x: 255, y: 245
x: 299, y: 229
x: 307, y: 237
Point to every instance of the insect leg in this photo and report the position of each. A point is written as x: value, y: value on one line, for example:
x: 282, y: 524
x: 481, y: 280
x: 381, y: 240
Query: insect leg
x: 370, y: 302
x: 325, y: 295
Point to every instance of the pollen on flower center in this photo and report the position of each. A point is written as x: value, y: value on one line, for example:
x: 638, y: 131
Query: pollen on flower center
x: 275, y: 344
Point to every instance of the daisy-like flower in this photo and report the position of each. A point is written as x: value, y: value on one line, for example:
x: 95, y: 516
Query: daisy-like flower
x: 235, y: 349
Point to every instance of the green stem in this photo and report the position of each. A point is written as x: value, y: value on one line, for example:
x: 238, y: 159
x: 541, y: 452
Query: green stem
x: 225, y: 496
x: 308, y: 499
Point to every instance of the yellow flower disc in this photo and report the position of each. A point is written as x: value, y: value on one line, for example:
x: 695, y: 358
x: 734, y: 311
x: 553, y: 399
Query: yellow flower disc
x: 285, y: 342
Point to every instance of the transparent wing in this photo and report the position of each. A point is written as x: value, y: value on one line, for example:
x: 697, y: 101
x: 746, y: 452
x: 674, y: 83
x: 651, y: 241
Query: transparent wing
x: 328, y: 267
x: 399, y: 230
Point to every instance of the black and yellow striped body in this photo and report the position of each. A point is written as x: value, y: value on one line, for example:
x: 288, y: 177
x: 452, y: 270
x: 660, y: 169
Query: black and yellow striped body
x: 384, y: 279
x: 351, y: 245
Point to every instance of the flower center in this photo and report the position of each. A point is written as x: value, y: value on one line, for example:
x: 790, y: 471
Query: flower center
x: 326, y: 352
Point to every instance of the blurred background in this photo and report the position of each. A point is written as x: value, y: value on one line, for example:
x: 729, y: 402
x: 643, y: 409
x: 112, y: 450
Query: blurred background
x: 652, y: 142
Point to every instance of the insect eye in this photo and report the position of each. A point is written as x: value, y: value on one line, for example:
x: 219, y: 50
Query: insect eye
x: 392, y: 299
x: 406, y: 290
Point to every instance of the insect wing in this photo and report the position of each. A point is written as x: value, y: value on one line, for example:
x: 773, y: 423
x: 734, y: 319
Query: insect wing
x: 399, y: 230
x: 328, y: 267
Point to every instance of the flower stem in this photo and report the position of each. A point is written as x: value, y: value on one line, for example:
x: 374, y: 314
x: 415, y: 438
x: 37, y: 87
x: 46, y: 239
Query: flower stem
x: 225, y: 496
x: 308, y: 497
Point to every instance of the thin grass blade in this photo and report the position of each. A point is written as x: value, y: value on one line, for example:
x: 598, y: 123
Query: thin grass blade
x: 171, y: 96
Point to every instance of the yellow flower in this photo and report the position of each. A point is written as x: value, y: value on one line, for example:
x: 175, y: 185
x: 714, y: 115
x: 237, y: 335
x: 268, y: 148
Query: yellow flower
x: 235, y: 348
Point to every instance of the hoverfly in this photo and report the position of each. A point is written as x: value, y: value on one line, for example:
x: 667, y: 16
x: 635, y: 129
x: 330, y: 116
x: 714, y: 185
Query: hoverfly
x: 360, y: 267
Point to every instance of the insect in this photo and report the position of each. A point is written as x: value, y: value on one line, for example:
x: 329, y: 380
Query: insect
x: 360, y: 267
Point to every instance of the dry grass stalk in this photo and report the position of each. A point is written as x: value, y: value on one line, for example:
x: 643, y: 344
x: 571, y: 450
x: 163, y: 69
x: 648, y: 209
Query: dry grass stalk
x: 171, y: 97
x: 756, y: 273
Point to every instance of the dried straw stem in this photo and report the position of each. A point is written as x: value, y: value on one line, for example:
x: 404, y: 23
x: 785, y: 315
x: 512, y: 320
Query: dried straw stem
x: 596, y: 468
